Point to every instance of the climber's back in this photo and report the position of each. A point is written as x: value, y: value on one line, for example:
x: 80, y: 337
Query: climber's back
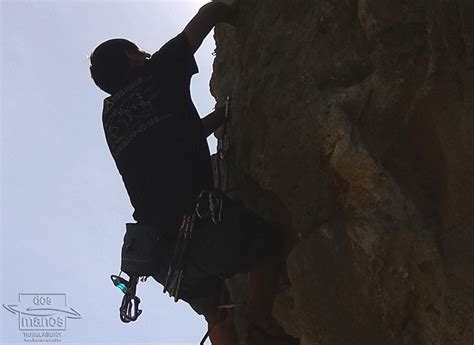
x: 155, y: 136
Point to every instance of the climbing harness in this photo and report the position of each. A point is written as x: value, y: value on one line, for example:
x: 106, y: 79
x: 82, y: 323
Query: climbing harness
x: 129, y: 309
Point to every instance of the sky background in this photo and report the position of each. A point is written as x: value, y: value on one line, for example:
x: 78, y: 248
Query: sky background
x: 63, y: 204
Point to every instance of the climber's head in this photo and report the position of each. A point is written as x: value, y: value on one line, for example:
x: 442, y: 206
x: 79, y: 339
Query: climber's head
x: 113, y: 60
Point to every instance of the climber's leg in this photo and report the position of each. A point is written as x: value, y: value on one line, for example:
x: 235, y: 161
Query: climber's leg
x: 263, y: 283
x: 221, y: 329
x: 263, y: 280
x: 223, y: 332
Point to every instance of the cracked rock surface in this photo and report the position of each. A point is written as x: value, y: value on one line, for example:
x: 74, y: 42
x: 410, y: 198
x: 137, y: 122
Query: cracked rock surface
x: 353, y: 129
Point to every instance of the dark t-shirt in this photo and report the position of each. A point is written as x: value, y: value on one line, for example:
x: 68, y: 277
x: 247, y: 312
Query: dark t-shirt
x: 156, y: 138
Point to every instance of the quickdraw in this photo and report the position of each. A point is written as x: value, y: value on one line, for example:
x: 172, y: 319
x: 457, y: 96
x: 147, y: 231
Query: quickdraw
x: 210, y: 204
x: 176, y: 269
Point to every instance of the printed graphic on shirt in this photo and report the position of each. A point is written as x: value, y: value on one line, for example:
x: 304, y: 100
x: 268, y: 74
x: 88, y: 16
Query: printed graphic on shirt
x: 129, y: 113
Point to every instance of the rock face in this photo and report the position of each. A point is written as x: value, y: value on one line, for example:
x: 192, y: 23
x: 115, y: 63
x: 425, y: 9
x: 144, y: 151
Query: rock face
x: 353, y: 129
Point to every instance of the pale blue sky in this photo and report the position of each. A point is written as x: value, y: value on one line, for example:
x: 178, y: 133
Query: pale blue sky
x: 63, y: 203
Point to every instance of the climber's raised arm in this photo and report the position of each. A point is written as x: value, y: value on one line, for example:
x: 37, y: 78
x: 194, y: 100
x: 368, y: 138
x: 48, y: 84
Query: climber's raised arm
x: 203, y: 22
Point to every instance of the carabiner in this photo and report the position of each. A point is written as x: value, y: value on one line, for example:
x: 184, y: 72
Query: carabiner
x: 129, y: 309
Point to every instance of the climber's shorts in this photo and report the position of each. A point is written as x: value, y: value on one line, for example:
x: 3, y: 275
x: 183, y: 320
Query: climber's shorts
x: 234, y: 245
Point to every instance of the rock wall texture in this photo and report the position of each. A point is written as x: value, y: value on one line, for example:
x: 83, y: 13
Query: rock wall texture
x: 353, y: 130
